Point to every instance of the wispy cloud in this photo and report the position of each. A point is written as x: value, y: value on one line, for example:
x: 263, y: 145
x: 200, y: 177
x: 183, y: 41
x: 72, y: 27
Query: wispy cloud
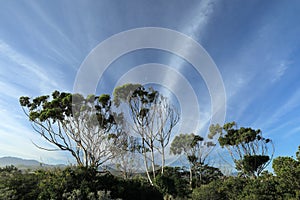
x: 285, y: 108
x: 295, y: 130
x: 193, y: 25
x: 16, y: 138
x: 279, y: 71
x: 198, y: 18
x: 62, y: 47
x: 33, y: 76
x: 22, y: 76
x: 255, y: 67
x: 10, y: 90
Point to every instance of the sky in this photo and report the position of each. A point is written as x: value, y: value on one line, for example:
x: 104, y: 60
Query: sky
x: 254, y: 45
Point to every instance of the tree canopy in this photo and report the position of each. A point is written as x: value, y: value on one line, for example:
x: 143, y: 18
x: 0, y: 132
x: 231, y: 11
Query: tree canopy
x: 247, y: 147
x: 85, y: 127
x: 196, y: 151
x: 153, y: 118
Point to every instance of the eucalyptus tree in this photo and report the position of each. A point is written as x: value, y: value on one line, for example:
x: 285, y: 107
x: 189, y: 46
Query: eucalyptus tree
x: 195, y: 149
x: 153, y: 118
x: 250, y: 151
x: 84, y: 127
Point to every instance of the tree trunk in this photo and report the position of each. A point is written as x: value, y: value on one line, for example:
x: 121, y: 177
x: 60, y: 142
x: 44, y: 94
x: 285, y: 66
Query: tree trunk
x: 146, y: 167
x: 191, y: 176
x: 152, y: 161
x: 145, y: 162
x: 163, y: 160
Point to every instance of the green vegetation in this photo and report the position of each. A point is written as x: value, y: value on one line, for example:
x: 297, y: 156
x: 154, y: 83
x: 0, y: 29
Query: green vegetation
x: 71, y: 183
x: 247, y: 147
x: 88, y: 183
x: 94, y: 133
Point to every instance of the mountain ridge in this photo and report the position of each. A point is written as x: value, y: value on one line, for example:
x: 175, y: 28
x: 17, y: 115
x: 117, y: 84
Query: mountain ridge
x: 25, y: 163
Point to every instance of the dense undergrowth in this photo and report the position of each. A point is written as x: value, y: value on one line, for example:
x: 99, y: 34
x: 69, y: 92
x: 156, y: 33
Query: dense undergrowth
x: 89, y: 184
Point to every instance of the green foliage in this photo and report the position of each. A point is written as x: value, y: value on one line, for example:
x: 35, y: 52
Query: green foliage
x: 204, y: 174
x: 228, y: 188
x: 196, y: 151
x: 146, y: 95
x: 251, y: 163
x: 72, y: 183
x: 70, y: 121
x: 104, y: 99
x: 137, y: 189
x: 15, y: 184
x: 288, y: 173
x: 60, y: 184
x: 172, y: 182
x: 89, y: 184
x: 181, y: 144
x: 285, y: 185
x: 75, y: 124
x: 153, y: 118
x: 298, y: 154
x: 40, y: 108
x: 208, y: 192
x: 262, y: 188
x: 247, y: 147
x: 232, y: 187
x: 123, y: 93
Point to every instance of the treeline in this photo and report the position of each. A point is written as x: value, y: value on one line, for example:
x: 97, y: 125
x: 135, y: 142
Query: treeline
x: 132, y: 130
x: 73, y: 183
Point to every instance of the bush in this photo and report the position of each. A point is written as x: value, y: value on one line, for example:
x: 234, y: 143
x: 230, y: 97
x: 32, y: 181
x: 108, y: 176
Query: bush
x: 83, y: 183
x: 229, y: 188
x: 137, y: 189
x: 17, y: 185
x: 262, y: 188
x: 208, y: 192
x: 172, y: 183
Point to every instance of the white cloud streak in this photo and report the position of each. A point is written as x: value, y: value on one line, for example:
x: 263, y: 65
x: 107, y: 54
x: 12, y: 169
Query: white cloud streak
x: 29, y: 73
x: 27, y: 77
x: 289, y: 105
x: 16, y: 139
x: 193, y: 25
x: 279, y: 71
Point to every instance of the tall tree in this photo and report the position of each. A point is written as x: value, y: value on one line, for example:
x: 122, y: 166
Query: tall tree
x: 167, y: 116
x: 153, y: 119
x: 196, y: 150
x: 85, y: 127
x: 247, y: 147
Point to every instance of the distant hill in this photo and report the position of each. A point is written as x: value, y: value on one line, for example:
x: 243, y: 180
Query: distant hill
x: 25, y: 164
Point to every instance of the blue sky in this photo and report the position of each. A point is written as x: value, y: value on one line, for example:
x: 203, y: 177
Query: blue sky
x: 255, y: 45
